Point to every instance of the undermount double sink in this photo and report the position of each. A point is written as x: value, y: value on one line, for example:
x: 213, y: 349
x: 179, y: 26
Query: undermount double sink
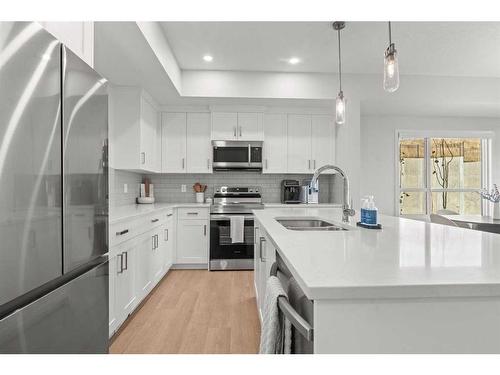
x: 308, y: 224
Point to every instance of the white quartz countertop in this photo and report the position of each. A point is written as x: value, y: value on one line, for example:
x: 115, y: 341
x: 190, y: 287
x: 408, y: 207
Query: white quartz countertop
x: 477, y: 219
x: 406, y: 259
x: 129, y: 211
x: 302, y: 205
x: 133, y: 210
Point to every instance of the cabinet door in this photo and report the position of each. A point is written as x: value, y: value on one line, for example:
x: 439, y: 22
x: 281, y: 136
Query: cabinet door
x: 125, y: 291
x: 144, y: 256
x: 262, y: 276
x: 257, y: 268
x: 149, y: 125
x: 198, y: 145
x: 192, y: 241
x: 249, y: 126
x: 158, y: 256
x: 113, y: 321
x: 168, y: 239
x: 224, y: 126
x: 173, y: 135
x: 299, y: 144
x: 322, y: 140
x: 275, y: 153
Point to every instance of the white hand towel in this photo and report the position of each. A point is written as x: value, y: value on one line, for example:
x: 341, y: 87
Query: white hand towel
x: 276, y: 333
x: 237, y: 230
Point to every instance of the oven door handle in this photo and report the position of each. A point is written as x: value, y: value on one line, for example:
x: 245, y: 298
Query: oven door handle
x: 226, y: 217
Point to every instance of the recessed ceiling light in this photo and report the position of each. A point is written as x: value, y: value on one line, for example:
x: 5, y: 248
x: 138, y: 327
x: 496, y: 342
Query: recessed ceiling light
x: 208, y: 58
x: 294, y: 60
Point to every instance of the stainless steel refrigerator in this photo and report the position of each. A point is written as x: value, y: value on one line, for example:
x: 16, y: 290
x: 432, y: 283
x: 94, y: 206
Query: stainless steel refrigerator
x: 53, y: 197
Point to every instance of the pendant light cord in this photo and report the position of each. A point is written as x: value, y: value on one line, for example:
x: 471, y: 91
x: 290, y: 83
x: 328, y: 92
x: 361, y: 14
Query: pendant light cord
x: 340, y: 63
x: 390, y: 33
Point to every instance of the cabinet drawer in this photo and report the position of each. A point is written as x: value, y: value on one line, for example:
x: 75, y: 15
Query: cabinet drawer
x: 192, y: 213
x: 122, y: 231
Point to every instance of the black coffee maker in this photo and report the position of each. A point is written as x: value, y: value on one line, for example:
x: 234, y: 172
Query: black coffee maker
x: 290, y: 192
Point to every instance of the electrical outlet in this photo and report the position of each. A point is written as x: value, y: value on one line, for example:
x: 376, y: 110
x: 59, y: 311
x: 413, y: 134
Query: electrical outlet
x: 183, y: 188
x: 125, y: 188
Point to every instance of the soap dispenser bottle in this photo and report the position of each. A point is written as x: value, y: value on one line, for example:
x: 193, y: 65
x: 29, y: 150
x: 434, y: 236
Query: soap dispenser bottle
x: 370, y: 214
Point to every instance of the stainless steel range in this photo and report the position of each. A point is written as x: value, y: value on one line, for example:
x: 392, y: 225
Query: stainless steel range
x: 231, y: 201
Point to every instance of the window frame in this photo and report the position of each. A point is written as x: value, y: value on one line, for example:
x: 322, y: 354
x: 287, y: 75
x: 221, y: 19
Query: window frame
x: 486, y: 144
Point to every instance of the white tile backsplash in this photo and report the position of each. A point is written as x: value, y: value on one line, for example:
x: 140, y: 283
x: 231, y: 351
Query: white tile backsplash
x: 167, y: 187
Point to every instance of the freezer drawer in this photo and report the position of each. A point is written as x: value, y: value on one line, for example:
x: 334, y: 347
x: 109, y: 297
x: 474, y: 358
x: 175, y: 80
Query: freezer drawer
x: 71, y: 319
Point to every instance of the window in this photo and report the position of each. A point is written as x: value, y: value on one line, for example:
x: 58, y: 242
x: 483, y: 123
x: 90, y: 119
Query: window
x: 442, y: 174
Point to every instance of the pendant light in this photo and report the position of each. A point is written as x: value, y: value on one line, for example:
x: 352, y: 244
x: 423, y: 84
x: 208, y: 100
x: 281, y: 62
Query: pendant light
x: 340, y: 100
x: 391, y: 68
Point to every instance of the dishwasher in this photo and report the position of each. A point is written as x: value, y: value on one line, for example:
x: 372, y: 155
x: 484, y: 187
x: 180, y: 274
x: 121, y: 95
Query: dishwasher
x: 298, y: 309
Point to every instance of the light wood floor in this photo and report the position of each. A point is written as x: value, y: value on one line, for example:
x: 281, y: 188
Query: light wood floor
x: 195, y: 311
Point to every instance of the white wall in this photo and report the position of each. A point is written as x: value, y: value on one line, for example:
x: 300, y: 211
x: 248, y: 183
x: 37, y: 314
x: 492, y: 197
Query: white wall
x: 378, y: 156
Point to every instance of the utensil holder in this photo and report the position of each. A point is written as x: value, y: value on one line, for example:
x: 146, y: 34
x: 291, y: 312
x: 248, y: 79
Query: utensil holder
x: 200, y: 197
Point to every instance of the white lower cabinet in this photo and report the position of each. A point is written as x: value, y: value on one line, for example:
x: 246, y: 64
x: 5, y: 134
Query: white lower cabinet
x: 264, y: 257
x: 168, y: 242
x: 192, y: 238
x: 145, y: 258
x: 122, y: 290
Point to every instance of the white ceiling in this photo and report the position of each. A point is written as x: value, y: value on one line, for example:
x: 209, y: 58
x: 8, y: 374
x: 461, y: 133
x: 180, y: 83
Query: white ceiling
x: 425, y: 48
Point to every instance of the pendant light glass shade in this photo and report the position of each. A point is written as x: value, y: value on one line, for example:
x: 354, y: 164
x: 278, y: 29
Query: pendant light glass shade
x: 340, y: 100
x: 391, y: 69
x: 340, y: 109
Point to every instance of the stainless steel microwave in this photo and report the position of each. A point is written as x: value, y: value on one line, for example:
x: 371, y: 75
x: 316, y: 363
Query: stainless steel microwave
x: 239, y: 155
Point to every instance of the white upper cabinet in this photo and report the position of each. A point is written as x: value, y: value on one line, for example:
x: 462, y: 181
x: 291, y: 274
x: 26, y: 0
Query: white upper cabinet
x: 322, y: 140
x: 275, y: 143
x: 231, y: 126
x: 299, y: 144
x: 311, y: 140
x: 150, y: 151
x: 186, y: 145
x: 77, y: 36
x: 224, y: 126
x: 249, y: 126
x: 173, y: 142
x: 134, y: 130
x: 198, y: 145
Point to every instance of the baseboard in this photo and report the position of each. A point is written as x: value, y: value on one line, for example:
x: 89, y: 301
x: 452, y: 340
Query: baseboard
x: 190, y: 266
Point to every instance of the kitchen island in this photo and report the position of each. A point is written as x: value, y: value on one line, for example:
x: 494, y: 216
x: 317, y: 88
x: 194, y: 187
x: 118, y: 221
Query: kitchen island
x: 412, y: 287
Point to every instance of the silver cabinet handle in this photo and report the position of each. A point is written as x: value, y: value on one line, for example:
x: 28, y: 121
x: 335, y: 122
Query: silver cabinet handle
x: 121, y: 263
x: 249, y: 154
x: 208, y: 163
x: 262, y: 239
x: 154, y: 220
x: 125, y: 231
x: 169, y: 215
x: 143, y: 158
x: 126, y: 259
x: 241, y: 127
x: 156, y: 241
x: 165, y: 234
x: 314, y: 163
x: 182, y: 163
x: 205, y: 230
x: 309, y: 164
x: 267, y: 166
x: 234, y: 132
x: 255, y: 229
x: 192, y: 213
x: 152, y: 242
